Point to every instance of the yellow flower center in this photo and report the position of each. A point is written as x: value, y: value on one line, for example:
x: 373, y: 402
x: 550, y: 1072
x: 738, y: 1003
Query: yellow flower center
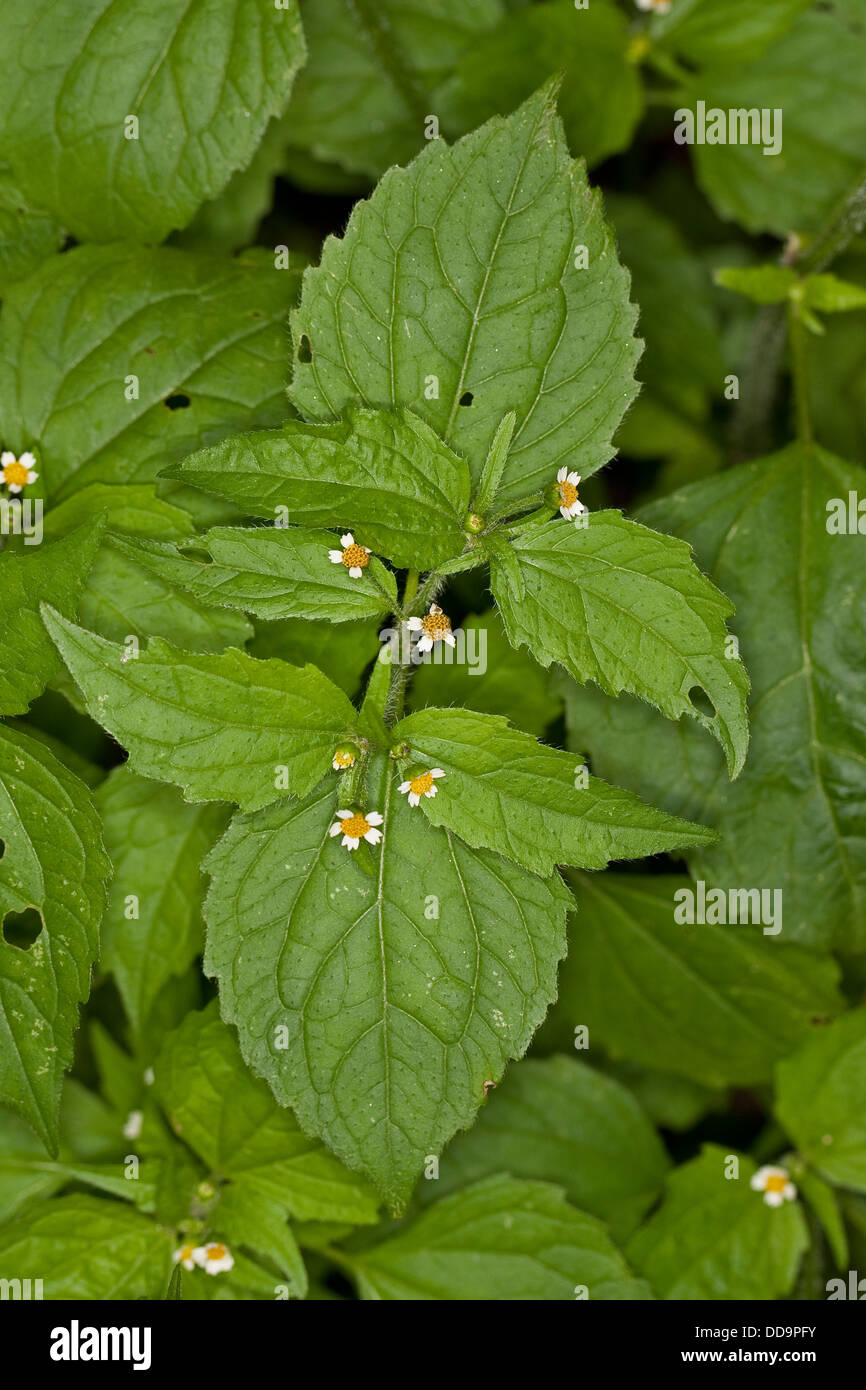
x: 419, y: 785
x: 15, y: 473
x: 775, y: 1183
x: 437, y: 626
x: 216, y: 1252
x: 355, y: 555
x: 355, y: 827
x: 568, y: 493
x: 186, y: 1252
x: 344, y: 759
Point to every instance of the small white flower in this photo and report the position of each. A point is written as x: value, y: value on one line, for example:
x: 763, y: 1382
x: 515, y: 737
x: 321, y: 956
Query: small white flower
x: 566, y: 486
x: 654, y: 6
x: 436, y: 627
x: 149, y: 1077
x: 132, y: 1128
x: 214, y: 1258
x: 422, y: 784
x: 17, y: 472
x: 776, y: 1185
x: 356, y: 558
x: 186, y: 1256
x: 354, y: 828
x: 344, y: 757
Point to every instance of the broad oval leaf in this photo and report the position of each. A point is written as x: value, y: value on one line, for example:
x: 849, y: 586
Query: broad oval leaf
x: 378, y: 1006
x: 53, y: 865
x: 222, y: 728
x: 819, y: 1100
x: 200, y: 83
x: 506, y: 792
x: 626, y: 607
x: 154, y: 352
x: 498, y: 1241
x: 459, y: 290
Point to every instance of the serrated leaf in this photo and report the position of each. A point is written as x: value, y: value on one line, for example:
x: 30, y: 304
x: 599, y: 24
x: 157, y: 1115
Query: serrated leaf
x: 386, y: 475
x: 812, y: 75
x: 364, y: 96
x: 153, y: 924
x: 504, y: 791
x: 618, y: 604
x: 717, y: 1004
x: 495, y: 679
x: 206, y: 335
x: 200, y: 82
x: 230, y: 1118
x: 273, y: 573
x: 400, y: 994
x: 563, y: 1122
x: 819, y: 1100
x: 219, y: 727
x: 341, y: 652
x: 761, y: 531
x: 87, y: 1248
x: 601, y: 98
x: 714, y: 1238
x: 29, y: 577
x: 482, y: 300
x: 498, y: 1241
x: 53, y: 864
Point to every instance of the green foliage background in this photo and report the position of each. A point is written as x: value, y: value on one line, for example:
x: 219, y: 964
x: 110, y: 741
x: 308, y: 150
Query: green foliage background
x: 344, y: 260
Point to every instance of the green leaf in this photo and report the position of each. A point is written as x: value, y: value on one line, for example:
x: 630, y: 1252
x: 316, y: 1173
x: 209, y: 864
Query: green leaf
x: 219, y: 727
x: 683, y: 362
x: 819, y: 1100
x: 205, y: 334
x: 601, y: 98
x: 458, y: 276
x: 272, y: 572
x: 131, y: 509
x: 495, y: 679
x: 813, y: 76
x: 201, y: 83
x: 27, y: 235
x: 378, y: 1006
x: 256, y: 1220
x: 830, y: 295
x: 725, y: 31
x: 717, y: 1004
x: 618, y: 604
x: 46, y: 574
x: 561, y: 1121
x: 385, y: 475
x: 53, y: 865
x: 714, y: 1238
x: 761, y: 531
x: 87, y: 1248
x: 153, y: 924
x: 763, y: 284
x: 229, y: 1117
x: 825, y: 1204
x: 504, y: 791
x: 341, y: 652
x: 498, y: 1241
x: 364, y: 96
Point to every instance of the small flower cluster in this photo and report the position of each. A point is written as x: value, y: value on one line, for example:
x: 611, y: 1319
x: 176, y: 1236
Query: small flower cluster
x: 775, y: 1183
x: 213, y: 1258
x: 16, y: 473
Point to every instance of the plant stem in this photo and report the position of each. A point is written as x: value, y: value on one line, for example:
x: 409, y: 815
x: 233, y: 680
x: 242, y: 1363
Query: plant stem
x: 797, y: 338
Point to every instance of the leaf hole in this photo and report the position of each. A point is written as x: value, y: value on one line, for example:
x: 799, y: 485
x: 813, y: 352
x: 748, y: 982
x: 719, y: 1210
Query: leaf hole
x: 22, y: 928
x: 178, y: 402
x: 467, y: 398
x: 700, y: 700
x: 305, y: 349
